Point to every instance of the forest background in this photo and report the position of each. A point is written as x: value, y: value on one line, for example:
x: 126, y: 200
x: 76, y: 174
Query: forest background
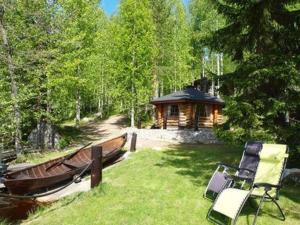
x: 65, y: 59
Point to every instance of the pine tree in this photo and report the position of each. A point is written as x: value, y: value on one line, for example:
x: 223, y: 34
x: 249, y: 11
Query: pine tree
x: 262, y: 94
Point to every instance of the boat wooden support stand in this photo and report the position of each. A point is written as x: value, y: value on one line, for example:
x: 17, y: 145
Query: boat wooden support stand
x: 133, y: 142
x: 97, y: 166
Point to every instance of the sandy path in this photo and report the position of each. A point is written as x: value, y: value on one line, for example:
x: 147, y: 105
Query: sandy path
x: 113, y: 126
x: 104, y: 129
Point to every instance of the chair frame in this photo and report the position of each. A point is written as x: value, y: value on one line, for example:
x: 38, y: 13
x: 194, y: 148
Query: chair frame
x: 222, y: 167
x: 264, y: 198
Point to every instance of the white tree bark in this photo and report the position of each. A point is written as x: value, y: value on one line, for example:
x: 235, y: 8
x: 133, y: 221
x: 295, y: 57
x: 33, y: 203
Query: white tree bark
x: 132, y: 111
x: 203, y: 66
x: 78, y: 108
x: 218, y: 72
x: 14, y: 87
x: 132, y: 108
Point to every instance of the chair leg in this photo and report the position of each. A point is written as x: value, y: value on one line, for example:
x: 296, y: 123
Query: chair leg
x: 280, y: 210
x: 259, y: 207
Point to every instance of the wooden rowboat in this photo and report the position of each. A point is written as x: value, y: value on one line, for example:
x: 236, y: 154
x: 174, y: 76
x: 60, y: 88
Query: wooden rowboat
x: 53, y: 172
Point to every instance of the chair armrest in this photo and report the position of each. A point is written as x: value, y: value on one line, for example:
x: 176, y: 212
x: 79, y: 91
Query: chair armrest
x: 238, y: 178
x: 251, y: 171
x: 228, y: 166
x: 234, y: 167
x: 267, y: 186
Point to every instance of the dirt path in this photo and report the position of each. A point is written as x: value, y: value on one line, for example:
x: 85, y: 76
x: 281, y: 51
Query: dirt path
x: 113, y: 126
x: 104, y: 129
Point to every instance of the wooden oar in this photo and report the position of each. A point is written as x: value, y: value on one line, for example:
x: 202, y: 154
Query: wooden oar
x: 66, y: 158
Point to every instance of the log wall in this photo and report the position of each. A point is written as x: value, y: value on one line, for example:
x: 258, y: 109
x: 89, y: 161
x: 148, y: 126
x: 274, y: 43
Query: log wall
x: 159, y: 115
x: 186, y: 117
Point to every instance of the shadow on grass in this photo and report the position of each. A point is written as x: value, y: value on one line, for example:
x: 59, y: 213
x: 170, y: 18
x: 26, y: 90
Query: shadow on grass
x: 198, y: 162
x: 83, y: 135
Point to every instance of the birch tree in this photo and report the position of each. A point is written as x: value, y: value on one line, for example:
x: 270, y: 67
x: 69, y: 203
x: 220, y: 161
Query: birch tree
x: 14, y: 87
x: 137, y: 37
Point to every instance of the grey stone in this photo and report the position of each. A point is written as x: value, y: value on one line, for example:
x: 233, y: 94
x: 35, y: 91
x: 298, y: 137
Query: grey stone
x: 202, y: 136
x: 45, y: 136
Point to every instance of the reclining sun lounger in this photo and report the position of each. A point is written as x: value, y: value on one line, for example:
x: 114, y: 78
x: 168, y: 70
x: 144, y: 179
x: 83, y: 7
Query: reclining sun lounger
x: 266, y: 185
x: 222, y: 178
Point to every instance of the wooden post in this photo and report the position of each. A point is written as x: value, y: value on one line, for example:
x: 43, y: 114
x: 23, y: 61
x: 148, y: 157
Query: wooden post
x: 96, y: 168
x: 196, y: 122
x: 133, y: 142
x: 160, y: 116
x: 190, y: 116
x: 165, y: 117
x: 215, y: 114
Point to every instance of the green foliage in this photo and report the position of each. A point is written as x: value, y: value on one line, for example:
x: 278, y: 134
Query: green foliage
x: 136, y: 52
x: 205, y: 20
x: 63, y: 143
x: 4, y: 222
x: 263, y: 91
x: 71, y: 59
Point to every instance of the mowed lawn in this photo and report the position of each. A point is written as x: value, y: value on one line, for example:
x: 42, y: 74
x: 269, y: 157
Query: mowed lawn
x: 160, y: 187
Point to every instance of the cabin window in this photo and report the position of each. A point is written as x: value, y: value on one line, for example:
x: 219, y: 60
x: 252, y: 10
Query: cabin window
x: 173, y: 110
x: 205, y: 110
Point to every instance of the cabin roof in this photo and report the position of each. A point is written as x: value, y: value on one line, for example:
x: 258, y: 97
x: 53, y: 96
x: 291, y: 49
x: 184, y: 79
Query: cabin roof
x: 190, y: 94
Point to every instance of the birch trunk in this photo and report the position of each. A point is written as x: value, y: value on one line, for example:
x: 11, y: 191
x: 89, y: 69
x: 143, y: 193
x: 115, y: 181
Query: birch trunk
x: 78, y: 107
x: 203, y: 67
x: 161, y: 88
x: 13, y: 83
x: 155, y: 88
x: 102, y: 92
x: 155, y: 81
x: 175, y: 67
x: 218, y: 73
x: 132, y: 109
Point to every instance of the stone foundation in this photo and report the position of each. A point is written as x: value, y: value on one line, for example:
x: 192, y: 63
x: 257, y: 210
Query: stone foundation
x: 203, y: 136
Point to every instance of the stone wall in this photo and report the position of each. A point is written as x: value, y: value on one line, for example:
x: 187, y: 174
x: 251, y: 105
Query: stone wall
x: 203, y: 136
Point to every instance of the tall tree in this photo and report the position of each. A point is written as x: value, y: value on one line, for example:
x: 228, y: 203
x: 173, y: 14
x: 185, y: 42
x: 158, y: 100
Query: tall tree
x: 263, y: 91
x: 161, y: 12
x: 137, y: 37
x: 14, y: 87
x: 76, y: 45
x: 205, y: 20
x: 172, y: 44
x: 180, y: 47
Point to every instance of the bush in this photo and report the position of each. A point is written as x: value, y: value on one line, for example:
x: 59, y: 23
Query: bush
x: 63, y: 142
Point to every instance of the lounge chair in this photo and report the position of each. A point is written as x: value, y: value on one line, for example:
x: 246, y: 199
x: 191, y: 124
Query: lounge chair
x: 246, y: 170
x: 266, y: 185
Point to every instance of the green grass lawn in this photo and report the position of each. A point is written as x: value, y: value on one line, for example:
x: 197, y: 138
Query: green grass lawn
x: 160, y: 187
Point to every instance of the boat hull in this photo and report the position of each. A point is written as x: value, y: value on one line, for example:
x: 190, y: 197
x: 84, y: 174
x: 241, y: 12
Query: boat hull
x: 51, y: 173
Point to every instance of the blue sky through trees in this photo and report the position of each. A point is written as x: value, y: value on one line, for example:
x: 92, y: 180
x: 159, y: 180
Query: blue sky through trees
x: 110, y: 6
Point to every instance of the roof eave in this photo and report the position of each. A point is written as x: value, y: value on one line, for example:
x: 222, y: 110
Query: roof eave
x: 157, y: 102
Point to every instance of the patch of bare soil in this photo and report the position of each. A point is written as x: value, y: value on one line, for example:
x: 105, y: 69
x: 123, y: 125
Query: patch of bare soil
x: 105, y: 129
x: 113, y: 126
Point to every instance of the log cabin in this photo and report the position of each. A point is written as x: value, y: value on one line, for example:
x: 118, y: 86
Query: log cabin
x: 189, y: 108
